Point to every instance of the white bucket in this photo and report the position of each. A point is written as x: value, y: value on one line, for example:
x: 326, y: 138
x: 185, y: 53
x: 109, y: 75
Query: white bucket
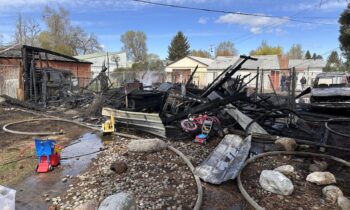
x: 7, y: 198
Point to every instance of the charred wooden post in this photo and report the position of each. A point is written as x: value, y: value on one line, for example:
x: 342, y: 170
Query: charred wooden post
x: 191, y: 77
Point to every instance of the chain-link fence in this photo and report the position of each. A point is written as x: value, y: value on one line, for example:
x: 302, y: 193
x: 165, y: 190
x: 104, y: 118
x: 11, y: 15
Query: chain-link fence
x: 148, y: 78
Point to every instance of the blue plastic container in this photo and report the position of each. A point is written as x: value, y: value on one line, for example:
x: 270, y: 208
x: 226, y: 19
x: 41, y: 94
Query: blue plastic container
x: 44, y: 148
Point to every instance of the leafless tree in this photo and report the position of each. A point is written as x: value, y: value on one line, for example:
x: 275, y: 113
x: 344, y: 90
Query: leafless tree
x: 26, y: 31
x: 135, y: 45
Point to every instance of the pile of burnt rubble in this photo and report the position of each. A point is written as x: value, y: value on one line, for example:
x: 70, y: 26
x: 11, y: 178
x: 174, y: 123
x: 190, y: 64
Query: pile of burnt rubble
x: 182, y: 111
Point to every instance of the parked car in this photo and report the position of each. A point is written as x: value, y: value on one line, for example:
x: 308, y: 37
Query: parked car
x: 331, y: 90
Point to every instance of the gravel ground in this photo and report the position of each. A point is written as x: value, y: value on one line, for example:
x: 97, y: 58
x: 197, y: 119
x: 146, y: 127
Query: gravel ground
x: 158, y: 180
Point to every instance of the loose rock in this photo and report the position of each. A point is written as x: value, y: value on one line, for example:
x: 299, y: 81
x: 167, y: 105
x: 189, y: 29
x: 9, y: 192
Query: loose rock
x: 343, y: 203
x: 90, y: 205
x: 276, y: 182
x: 321, y: 178
x: 318, y: 166
x: 285, y: 169
x: 119, y: 201
x: 119, y: 167
x: 331, y: 193
x: 286, y: 144
x: 146, y: 145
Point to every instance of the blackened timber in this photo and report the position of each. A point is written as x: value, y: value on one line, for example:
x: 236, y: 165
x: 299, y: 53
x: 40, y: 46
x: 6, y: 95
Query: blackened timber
x: 191, y: 77
x: 49, y: 52
x: 205, y: 107
x: 229, y: 73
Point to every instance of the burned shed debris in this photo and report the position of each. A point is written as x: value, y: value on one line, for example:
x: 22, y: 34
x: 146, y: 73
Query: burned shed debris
x: 41, y: 76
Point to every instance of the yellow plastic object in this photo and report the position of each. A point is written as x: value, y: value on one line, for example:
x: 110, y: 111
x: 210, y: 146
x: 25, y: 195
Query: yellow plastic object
x: 57, y: 149
x: 108, y: 126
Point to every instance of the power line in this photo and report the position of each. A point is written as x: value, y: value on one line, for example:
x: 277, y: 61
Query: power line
x: 225, y: 12
x: 249, y: 35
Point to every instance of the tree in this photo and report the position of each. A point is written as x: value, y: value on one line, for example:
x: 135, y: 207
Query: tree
x: 135, y: 45
x: 225, y: 48
x: 154, y: 62
x: 295, y: 52
x: 265, y: 49
x: 179, y: 47
x: 201, y: 53
x: 26, y: 31
x: 316, y: 56
x: 61, y: 36
x: 319, y: 57
x: 307, y: 55
x: 333, y: 62
x: 344, y: 37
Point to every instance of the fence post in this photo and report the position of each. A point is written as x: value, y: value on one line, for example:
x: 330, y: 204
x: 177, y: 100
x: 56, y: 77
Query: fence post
x: 262, y: 81
x: 294, y: 82
x: 257, y: 84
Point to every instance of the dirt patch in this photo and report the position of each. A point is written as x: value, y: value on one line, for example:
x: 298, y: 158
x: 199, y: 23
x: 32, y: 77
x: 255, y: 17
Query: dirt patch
x: 306, y: 195
x: 15, y: 147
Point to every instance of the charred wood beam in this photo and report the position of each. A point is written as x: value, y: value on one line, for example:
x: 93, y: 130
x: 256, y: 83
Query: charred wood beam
x: 191, y: 77
x: 228, y: 74
x: 26, y: 47
x: 203, y: 107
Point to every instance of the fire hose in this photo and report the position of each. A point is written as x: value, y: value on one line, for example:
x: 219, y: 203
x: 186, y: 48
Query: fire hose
x: 179, y: 153
x: 245, y: 194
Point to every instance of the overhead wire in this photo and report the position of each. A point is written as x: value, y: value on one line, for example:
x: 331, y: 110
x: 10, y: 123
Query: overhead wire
x: 224, y: 11
x: 249, y: 35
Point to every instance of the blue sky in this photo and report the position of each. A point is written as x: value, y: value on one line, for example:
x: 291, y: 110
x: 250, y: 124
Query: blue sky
x: 108, y: 19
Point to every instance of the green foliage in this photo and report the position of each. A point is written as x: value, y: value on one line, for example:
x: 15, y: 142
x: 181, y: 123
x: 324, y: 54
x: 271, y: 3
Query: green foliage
x: 225, y: 48
x: 333, y: 62
x: 295, y: 52
x: 179, y: 47
x: 319, y: 57
x: 122, y: 69
x: 135, y: 45
x: 201, y: 53
x: 265, y: 49
x: 154, y: 62
x: 139, y: 66
x: 307, y: 55
x: 344, y: 37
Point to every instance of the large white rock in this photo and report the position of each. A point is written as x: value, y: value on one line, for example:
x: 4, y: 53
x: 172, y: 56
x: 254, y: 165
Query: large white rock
x: 119, y: 201
x: 285, y: 169
x: 331, y: 193
x: 344, y: 203
x: 276, y: 182
x: 286, y: 144
x: 146, y: 145
x: 321, y: 178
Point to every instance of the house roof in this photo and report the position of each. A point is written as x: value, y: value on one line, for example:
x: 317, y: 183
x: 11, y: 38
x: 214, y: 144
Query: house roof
x: 263, y: 62
x: 307, y: 63
x: 205, y: 61
x: 97, y: 54
x: 16, y: 52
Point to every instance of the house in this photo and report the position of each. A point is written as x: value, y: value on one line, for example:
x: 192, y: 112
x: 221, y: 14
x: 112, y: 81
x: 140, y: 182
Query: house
x: 21, y: 66
x: 309, y: 68
x: 112, y: 59
x: 180, y: 71
x: 268, y: 65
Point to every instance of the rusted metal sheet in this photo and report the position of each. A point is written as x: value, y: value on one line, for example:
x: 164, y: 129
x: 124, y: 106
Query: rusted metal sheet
x: 146, y: 122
